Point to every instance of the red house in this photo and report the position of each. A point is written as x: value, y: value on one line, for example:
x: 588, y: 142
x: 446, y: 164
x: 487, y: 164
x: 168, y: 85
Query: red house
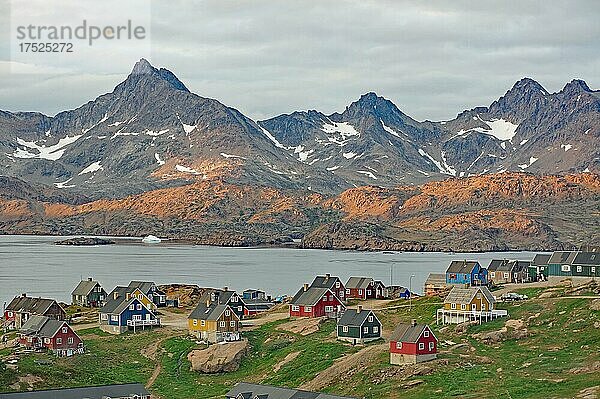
x: 365, y: 288
x: 41, y: 332
x: 412, y: 343
x: 335, y: 284
x: 21, y: 308
x: 315, y: 302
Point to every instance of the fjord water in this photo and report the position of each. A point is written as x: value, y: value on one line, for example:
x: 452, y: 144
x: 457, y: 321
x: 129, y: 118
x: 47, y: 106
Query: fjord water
x: 36, y: 266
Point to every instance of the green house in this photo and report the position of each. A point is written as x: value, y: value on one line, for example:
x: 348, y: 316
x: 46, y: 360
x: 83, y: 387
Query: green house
x: 538, y: 269
x: 358, y: 326
x: 574, y: 264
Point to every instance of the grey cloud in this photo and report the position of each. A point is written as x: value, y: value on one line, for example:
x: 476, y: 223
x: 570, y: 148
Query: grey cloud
x: 270, y: 57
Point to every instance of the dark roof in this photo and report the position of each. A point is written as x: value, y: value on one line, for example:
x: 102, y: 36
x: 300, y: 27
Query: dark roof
x: 30, y: 305
x: 465, y: 295
x: 220, y: 296
x: 84, y: 287
x: 211, y: 312
x: 541, y: 259
x: 111, y: 303
x: 43, y: 326
x: 99, y: 392
x: 407, y: 332
x: 436, y: 279
x: 326, y: 281
x: 358, y: 282
x: 310, y: 297
x: 587, y: 258
x: 354, y: 318
x: 144, y: 286
x: 462, y: 266
x: 246, y: 390
x: 497, y: 265
x: 562, y: 257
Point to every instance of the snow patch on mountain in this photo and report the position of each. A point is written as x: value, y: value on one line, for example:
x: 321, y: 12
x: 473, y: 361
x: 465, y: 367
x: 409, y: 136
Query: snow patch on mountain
x: 339, y: 132
x: 389, y: 129
x: 566, y: 147
x: 51, y: 153
x: 185, y: 169
x: 367, y: 173
x: 531, y: 162
x: 158, y: 159
x: 272, y: 138
x: 96, y: 166
x: 224, y: 155
x: 349, y: 155
x: 64, y: 184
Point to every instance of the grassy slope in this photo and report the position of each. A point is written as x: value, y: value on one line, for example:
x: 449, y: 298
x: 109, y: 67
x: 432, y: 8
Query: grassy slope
x: 562, y: 337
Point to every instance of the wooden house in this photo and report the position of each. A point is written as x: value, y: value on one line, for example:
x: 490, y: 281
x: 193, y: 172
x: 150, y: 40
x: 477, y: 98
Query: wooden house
x: 412, y: 343
x: 123, y: 312
x: 315, y: 302
x: 538, y: 269
x: 469, y: 273
x: 151, y: 290
x: 21, y: 308
x: 244, y: 390
x: 225, y: 296
x: 255, y: 302
x: 88, y: 293
x: 358, y: 326
x: 365, y: 288
x: 118, y: 391
x: 214, y: 322
x: 435, y: 284
x: 469, y: 304
x: 584, y: 264
x: 332, y: 283
x: 504, y: 271
x: 41, y: 332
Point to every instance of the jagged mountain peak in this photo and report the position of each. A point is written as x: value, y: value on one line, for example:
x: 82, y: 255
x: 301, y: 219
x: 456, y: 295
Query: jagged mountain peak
x: 144, y: 70
x: 576, y: 86
x: 528, y: 84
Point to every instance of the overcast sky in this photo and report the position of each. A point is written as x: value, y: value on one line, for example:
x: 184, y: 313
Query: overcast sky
x: 270, y: 57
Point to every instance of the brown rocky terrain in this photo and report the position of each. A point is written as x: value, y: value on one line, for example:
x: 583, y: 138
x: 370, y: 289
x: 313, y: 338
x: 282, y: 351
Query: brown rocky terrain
x: 491, y: 212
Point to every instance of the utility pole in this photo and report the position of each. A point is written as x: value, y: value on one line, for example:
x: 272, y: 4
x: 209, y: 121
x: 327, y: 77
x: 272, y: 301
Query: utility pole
x: 410, y: 291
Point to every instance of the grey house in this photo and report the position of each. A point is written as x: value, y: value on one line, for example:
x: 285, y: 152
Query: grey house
x: 120, y: 391
x: 358, y: 326
x: 244, y: 390
x: 88, y: 293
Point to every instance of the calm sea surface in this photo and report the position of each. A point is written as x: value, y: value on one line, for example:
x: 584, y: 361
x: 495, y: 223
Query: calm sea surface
x: 34, y: 265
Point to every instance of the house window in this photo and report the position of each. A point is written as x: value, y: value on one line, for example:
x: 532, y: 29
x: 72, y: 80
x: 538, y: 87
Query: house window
x: 234, y: 299
x: 345, y: 329
x: 195, y: 322
x: 227, y: 313
x: 70, y: 340
x: 295, y: 308
x: 398, y: 345
x: 240, y: 308
x: 565, y: 268
x: 337, y: 284
x: 593, y: 270
x: 463, y: 306
x: 140, y: 296
x: 370, y: 319
x: 203, y: 323
x: 348, y: 291
x: 375, y: 329
x: 103, y: 316
x: 426, y: 334
x: 368, y: 292
x: 421, y: 346
x: 579, y: 269
x: 64, y: 330
x: 58, y: 341
x: 359, y: 292
x: 365, y: 329
x: 29, y: 339
x: 431, y: 346
x: 505, y: 275
x: 328, y: 308
x: 221, y: 324
x: 232, y: 323
x: 493, y: 274
x: 453, y: 306
x: 132, y: 307
x: 308, y: 309
x: 114, y: 317
x: 46, y: 340
x: 10, y: 314
x: 139, y: 306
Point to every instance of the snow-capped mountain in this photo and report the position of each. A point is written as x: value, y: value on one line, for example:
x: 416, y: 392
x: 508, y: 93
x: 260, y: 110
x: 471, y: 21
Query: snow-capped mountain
x: 152, y: 132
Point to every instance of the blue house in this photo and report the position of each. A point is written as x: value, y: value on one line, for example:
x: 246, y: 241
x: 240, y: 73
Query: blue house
x: 467, y: 273
x: 123, y: 312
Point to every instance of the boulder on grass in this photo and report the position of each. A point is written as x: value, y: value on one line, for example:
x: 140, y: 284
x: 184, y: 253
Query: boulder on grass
x: 218, y: 358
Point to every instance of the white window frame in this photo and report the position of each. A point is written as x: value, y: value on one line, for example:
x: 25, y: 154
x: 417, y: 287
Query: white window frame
x: 308, y: 308
x: 426, y: 333
x: 227, y: 313
x: 59, y: 341
x: 463, y: 306
x: 10, y: 314
x: 579, y: 269
x: 348, y: 291
x: 46, y: 340
x: 114, y: 317
x: 505, y: 275
x: 132, y: 307
x: 360, y: 292
x: 421, y: 346
x: 232, y: 323
x: 371, y: 319
x: 70, y: 340
x: 65, y: 330
x: 240, y: 308
x: 345, y: 329
x: 337, y: 284
x: 431, y: 345
x: 366, y: 330
x: 375, y: 329
x: 398, y: 345
x: 295, y: 308
x: 452, y: 306
x: 103, y: 316
x: 139, y: 306
x: 222, y: 324
x: 203, y: 323
x: 565, y: 268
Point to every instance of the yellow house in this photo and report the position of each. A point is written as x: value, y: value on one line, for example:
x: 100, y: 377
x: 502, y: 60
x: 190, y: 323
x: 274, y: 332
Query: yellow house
x: 137, y: 293
x: 214, y: 322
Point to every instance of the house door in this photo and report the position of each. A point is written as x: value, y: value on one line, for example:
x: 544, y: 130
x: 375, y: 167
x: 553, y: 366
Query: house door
x: 148, y: 316
x: 473, y: 306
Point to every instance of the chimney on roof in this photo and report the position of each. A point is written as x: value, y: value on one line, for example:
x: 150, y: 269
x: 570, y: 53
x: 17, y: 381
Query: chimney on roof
x: 327, y: 276
x: 413, y: 322
x: 90, y: 279
x: 128, y: 296
x: 225, y: 288
x: 359, y: 309
x: 208, y: 303
x: 24, y: 295
x: 115, y: 295
x: 305, y: 287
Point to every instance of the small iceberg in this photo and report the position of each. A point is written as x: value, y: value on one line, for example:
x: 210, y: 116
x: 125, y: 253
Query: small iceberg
x: 151, y: 240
